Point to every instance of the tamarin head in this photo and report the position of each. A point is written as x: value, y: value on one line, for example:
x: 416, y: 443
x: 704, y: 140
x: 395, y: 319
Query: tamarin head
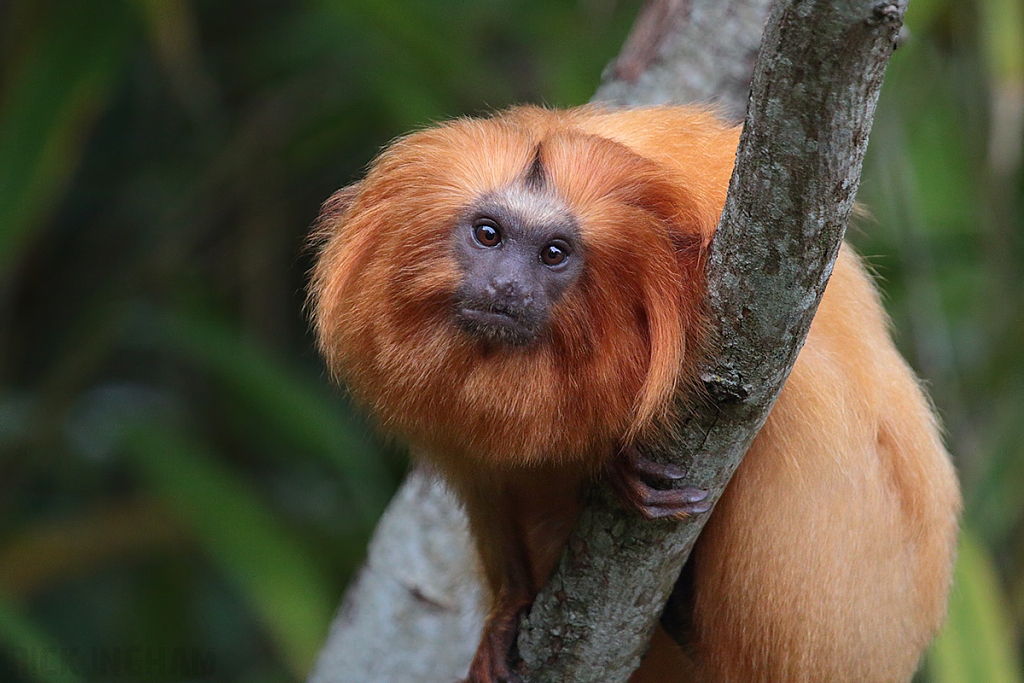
x: 513, y: 290
x: 518, y: 250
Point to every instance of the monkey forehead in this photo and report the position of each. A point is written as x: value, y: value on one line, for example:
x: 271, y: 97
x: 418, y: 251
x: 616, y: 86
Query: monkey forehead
x: 532, y: 209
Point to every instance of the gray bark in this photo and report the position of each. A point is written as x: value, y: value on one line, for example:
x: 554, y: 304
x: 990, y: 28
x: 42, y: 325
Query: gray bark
x: 688, y: 51
x: 413, y: 613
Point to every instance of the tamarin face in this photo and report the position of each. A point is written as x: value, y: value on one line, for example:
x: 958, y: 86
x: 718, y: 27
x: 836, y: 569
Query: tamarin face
x: 519, y: 249
x: 517, y: 289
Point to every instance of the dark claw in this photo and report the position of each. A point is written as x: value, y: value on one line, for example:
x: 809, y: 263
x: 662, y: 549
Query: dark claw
x: 648, y: 468
x: 646, y: 486
x: 672, y: 497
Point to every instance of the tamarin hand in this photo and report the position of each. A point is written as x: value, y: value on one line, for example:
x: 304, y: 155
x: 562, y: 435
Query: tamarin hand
x: 649, y: 487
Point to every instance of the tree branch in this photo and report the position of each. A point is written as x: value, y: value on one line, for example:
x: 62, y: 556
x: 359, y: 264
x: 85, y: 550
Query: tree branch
x: 813, y: 97
x: 688, y: 51
x: 414, y: 613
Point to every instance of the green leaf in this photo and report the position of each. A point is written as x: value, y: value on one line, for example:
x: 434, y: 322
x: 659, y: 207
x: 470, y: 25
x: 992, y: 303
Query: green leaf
x: 54, y: 96
x: 1002, y: 27
x: 283, y: 584
x: 295, y: 405
x: 34, y: 653
x: 977, y: 644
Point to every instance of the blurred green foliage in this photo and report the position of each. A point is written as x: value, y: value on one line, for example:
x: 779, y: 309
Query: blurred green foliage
x: 176, y: 474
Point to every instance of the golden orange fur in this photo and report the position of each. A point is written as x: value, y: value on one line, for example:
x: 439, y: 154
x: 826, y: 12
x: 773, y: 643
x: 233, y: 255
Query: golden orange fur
x: 828, y: 558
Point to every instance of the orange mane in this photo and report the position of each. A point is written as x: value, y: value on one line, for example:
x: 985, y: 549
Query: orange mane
x: 618, y: 341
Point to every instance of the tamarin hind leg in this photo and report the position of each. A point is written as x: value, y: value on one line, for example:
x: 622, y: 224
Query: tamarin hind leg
x: 521, y: 521
x: 492, y: 662
x: 829, y: 556
x: 506, y: 564
x: 522, y: 524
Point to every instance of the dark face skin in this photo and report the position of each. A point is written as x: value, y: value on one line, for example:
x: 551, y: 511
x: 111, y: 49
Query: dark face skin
x: 519, y: 250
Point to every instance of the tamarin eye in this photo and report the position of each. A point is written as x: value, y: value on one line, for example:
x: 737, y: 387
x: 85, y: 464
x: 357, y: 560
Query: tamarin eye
x: 553, y: 255
x: 486, y: 233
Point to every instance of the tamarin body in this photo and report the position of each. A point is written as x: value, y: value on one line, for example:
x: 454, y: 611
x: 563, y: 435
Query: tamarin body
x: 519, y: 298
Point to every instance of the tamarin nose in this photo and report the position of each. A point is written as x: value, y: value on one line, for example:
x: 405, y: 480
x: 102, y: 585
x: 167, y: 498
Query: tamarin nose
x: 511, y: 290
x: 504, y: 286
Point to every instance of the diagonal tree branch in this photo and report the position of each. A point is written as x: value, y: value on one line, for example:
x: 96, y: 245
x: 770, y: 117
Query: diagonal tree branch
x: 813, y: 96
x: 413, y: 613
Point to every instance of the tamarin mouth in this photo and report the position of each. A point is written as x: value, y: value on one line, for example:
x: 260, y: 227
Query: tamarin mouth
x: 497, y: 324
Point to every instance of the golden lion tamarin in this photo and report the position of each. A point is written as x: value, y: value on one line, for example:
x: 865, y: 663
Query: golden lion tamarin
x: 519, y: 298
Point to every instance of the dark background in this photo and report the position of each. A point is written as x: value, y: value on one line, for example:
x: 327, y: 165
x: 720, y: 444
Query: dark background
x: 182, y: 494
